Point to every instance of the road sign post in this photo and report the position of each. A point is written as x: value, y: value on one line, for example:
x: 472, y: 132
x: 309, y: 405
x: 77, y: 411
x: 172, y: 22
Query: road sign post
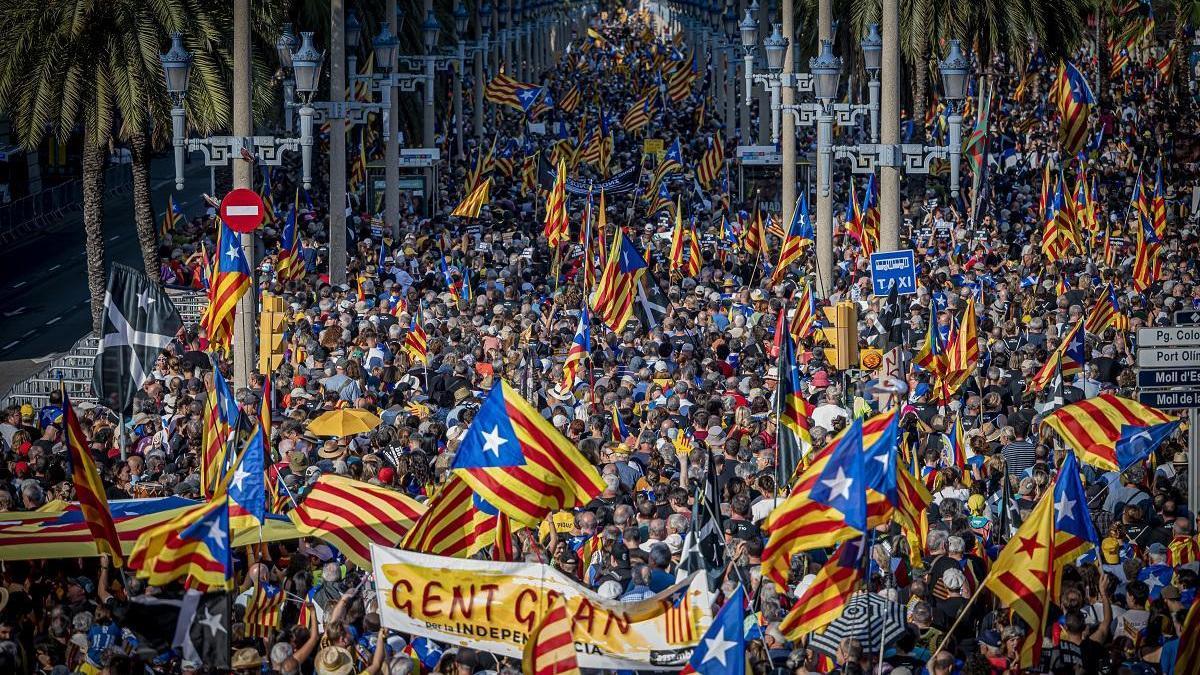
x: 894, y: 267
x: 1168, y: 361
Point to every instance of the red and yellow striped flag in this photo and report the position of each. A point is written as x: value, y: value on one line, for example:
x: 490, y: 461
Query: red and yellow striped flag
x: 89, y: 490
x: 825, y: 597
x: 452, y: 525
x: 471, y: 204
x: 263, y: 611
x: 551, y: 647
x: 1188, y: 658
x: 352, y: 515
x: 1022, y: 578
x: 1093, y: 426
x: 556, y: 223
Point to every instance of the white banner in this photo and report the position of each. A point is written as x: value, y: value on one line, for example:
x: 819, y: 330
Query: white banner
x: 493, y: 607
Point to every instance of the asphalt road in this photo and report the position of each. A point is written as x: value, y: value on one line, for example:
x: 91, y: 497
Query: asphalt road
x: 43, y: 283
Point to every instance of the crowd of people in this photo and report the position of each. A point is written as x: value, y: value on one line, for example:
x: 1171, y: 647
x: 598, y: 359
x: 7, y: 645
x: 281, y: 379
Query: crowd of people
x: 496, y: 302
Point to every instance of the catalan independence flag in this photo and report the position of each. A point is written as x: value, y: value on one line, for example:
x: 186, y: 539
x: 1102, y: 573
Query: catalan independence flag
x: 579, y: 349
x: 288, y: 265
x: 457, y: 523
x: 416, y: 342
x: 556, y: 226
x: 550, y: 649
x: 172, y: 217
x: 1074, y: 533
x: 194, y: 546
x: 352, y: 514
x: 1022, y: 577
x: 617, y: 427
x: 470, y: 206
x: 825, y: 598
x: 518, y: 462
x: 89, y: 489
x: 247, y: 484
x: 612, y: 301
x: 264, y: 610
x: 504, y: 90
x: 1094, y: 427
x: 1066, y: 360
x: 810, y: 518
x: 800, y: 232
x: 795, y: 413
x: 1075, y: 101
x: 231, y: 280
x: 220, y: 418
x: 711, y: 161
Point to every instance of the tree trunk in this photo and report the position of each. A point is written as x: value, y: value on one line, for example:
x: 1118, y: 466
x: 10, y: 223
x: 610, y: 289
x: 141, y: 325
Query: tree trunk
x: 920, y: 94
x: 143, y: 210
x: 94, y: 149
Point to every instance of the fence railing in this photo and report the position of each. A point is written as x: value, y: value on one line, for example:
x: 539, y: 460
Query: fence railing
x: 30, y: 214
x: 73, y: 369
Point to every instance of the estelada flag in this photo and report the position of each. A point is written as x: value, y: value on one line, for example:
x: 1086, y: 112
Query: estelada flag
x: 517, y: 461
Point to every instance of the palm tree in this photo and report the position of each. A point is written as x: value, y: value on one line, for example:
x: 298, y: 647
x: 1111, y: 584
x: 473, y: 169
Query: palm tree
x: 95, y: 65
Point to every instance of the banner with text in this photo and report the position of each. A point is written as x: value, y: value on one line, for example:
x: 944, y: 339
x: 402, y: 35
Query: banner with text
x: 493, y: 607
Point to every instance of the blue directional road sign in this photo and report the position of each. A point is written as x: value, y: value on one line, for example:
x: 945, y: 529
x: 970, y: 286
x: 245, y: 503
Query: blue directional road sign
x: 1179, y: 377
x: 894, y: 267
x: 1170, y: 399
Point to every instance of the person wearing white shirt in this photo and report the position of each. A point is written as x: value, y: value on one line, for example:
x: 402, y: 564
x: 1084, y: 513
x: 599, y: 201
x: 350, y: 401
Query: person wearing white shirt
x: 824, y: 414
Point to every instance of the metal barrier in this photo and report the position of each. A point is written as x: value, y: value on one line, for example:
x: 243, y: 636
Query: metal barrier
x: 73, y: 368
x: 28, y: 215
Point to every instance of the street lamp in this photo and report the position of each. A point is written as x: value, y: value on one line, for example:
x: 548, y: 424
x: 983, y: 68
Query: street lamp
x: 353, y: 32
x: 284, y: 46
x: 429, y: 31
x: 221, y: 150
x: 954, y: 87
x: 826, y: 71
x: 872, y: 49
x: 385, y: 45
x: 461, y: 17
x: 915, y: 158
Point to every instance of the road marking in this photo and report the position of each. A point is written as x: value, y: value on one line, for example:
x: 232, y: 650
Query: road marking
x: 10, y: 345
x: 19, y: 284
x: 54, y: 320
x: 15, y: 311
x: 114, y: 237
x: 54, y: 268
x: 29, y: 332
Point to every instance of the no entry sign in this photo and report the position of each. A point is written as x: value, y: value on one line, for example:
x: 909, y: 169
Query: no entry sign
x: 243, y: 209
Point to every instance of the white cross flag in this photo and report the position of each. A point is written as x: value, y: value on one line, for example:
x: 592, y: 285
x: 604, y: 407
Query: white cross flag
x: 139, y: 322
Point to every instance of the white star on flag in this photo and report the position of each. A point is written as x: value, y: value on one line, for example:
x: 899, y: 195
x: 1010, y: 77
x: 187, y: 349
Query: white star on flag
x: 492, y: 440
x: 145, y: 299
x: 217, y: 534
x: 839, y: 485
x: 1065, y: 508
x: 213, y: 623
x: 716, y: 648
x: 240, y: 475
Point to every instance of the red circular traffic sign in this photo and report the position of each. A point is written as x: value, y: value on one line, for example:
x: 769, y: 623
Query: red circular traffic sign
x: 243, y: 209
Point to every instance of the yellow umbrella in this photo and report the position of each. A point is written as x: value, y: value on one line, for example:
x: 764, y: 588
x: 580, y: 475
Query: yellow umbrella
x: 366, y: 416
x: 343, y: 422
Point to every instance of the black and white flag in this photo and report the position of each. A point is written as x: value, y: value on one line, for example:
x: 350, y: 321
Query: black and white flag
x: 139, y: 322
x: 197, y: 625
x: 650, y: 307
x: 202, y: 632
x: 704, y: 543
x: 891, y: 320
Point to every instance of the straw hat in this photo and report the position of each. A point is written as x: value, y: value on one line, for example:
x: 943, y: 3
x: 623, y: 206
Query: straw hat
x: 334, y: 661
